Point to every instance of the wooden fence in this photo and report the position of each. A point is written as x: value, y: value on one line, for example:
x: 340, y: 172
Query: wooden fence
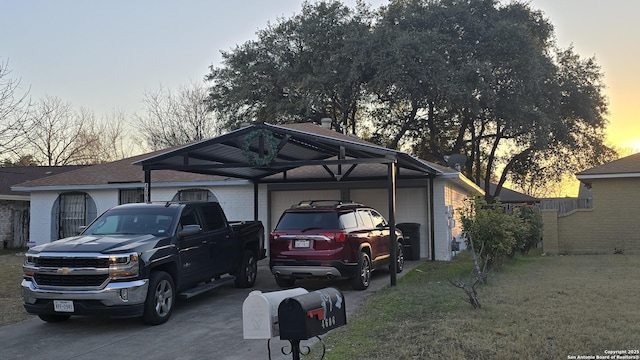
x: 565, y: 205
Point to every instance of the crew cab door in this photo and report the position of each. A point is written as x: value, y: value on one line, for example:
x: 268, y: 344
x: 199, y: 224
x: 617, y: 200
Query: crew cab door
x: 195, y: 249
x: 224, y: 246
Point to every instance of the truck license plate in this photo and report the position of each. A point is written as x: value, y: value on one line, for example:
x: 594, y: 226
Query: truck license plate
x: 63, y: 305
x: 301, y: 243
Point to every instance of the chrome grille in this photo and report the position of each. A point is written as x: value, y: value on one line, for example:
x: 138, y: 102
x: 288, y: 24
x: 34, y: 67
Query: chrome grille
x: 72, y: 262
x: 70, y: 280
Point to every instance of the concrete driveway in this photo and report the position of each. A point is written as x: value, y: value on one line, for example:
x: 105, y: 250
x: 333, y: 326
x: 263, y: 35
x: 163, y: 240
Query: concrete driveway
x: 208, y: 326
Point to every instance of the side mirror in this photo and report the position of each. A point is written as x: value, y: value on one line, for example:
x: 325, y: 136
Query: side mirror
x: 81, y: 228
x: 189, y: 230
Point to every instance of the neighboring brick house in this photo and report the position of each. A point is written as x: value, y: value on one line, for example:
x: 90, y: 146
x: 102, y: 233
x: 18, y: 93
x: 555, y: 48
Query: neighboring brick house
x: 61, y: 203
x: 14, y: 205
x: 611, y: 225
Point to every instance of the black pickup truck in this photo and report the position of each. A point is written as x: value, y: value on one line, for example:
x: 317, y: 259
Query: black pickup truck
x: 135, y: 259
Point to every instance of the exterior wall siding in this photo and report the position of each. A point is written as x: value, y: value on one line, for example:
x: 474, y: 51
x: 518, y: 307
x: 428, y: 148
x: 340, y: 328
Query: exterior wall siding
x: 412, y: 205
x: 447, y: 225
x: 610, y: 226
x: 41, y: 221
x: 237, y: 201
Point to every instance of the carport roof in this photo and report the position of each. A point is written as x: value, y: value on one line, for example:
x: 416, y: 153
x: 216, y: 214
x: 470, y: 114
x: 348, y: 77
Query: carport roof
x: 257, y: 152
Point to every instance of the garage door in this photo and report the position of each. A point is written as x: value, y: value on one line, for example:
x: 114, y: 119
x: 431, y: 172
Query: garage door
x: 411, y: 206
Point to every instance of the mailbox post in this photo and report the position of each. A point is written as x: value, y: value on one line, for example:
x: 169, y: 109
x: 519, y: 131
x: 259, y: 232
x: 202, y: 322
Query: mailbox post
x: 304, y: 316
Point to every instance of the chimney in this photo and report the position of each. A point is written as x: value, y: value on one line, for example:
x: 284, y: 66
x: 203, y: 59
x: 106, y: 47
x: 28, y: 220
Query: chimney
x: 326, y: 123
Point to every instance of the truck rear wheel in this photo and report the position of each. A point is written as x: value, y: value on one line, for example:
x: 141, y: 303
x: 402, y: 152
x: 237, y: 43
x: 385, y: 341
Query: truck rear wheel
x: 160, y: 296
x: 246, y: 276
x: 53, y: 318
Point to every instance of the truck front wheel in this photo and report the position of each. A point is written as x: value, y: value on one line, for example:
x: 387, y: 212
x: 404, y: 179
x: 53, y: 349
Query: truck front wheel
x: 246, y: 276
x: 160, y: 297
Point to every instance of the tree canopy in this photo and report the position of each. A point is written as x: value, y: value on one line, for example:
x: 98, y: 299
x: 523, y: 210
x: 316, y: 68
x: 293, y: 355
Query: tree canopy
x: 308, y: 67
x: 434, y: 78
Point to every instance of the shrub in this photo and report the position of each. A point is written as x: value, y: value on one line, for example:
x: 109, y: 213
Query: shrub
x: 494, y: 232
x: 532, y: 219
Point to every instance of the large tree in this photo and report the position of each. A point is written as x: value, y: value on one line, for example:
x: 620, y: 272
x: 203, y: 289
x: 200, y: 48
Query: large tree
x: 63, y: 135
x: 473, y: 77
x: 60, y: 135
x: 486, y: 80
x: 308, y: 67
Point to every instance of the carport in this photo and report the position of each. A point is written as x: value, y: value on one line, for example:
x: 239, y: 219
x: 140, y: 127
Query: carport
x: 266, y: 153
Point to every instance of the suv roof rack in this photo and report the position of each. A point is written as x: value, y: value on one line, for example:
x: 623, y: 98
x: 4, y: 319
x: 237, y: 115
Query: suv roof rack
x: 327, y: 203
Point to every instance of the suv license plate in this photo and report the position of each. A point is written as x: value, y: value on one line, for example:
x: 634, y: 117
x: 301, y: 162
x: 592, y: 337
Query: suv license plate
x: 301, y: 244
x: 63, y: 305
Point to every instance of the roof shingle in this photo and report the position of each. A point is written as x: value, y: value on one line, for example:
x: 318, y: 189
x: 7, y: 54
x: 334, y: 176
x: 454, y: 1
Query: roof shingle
x: 627, y: 166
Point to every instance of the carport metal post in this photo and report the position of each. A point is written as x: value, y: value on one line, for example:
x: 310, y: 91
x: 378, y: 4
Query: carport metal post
x: 255, y: 200
x: 147, y: 185
x: 392, y: 221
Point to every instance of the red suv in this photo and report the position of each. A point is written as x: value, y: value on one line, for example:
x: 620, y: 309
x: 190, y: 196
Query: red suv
x: 330, y: 239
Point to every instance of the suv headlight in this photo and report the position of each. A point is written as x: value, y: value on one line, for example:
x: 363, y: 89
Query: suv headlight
x: 124, y: 266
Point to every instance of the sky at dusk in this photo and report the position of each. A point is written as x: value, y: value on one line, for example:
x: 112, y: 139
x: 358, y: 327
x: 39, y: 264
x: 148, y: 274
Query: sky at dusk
x: 104, y: 55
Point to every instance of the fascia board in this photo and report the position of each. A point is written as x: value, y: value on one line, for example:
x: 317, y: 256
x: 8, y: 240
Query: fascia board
x: 608, y: 176
x: 136, y: 185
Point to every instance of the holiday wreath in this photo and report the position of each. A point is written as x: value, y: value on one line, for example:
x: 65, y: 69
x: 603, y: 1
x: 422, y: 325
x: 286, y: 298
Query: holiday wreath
x: 270, y: 148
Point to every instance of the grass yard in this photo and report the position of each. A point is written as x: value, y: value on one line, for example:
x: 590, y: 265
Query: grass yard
x: 537, y: 307
x: 11, y: 310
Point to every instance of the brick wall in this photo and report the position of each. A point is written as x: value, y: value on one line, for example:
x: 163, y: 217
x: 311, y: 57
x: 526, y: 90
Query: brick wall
x: 611, y: 225
x: 6, y: 222
x: 550, y: 243
x: 8, y: 209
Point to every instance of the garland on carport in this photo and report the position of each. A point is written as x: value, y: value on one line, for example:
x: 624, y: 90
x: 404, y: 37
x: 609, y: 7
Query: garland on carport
x: 269, y: 153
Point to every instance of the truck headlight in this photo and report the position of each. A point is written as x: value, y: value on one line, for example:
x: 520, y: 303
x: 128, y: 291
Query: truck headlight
x: 28, y: 265
x: 124, y: 266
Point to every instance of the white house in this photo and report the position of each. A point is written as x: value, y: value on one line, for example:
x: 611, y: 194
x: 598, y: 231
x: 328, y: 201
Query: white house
x: 60, y: 203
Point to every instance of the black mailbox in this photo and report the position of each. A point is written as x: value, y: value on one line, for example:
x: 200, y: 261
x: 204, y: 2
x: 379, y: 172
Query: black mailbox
x: 305, y: 316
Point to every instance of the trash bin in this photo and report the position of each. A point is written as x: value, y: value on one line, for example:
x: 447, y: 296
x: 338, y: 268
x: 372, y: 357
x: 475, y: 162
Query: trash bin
x: 411, y: 233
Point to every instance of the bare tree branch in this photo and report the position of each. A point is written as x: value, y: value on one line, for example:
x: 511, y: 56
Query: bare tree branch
x: 176, y: 118
x: 13, y: 113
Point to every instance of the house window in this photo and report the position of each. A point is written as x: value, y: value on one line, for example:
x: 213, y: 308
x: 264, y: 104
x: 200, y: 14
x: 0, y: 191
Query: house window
x: 194, y: 195
x: 70, y: 211
x: 127, y: 196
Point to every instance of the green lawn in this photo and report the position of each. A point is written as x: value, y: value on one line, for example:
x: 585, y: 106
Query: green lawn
x: 11, y: 309
x: 537, y: 307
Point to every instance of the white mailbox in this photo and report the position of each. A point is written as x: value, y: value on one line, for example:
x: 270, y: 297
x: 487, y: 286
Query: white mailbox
x: 260, y: 312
